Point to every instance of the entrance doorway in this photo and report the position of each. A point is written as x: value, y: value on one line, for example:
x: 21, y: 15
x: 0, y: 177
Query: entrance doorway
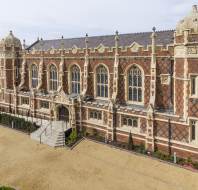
x: 63, y: 114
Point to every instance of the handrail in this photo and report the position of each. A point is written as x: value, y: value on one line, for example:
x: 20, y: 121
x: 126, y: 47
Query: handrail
x: 44, y: 130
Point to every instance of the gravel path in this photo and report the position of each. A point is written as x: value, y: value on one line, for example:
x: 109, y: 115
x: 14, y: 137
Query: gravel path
x: 27, y: 165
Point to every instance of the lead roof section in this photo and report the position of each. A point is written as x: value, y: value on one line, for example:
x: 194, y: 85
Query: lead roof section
x: 163, y: 38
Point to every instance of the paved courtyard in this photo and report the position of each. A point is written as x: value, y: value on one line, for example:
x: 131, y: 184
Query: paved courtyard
x: 27, y: 165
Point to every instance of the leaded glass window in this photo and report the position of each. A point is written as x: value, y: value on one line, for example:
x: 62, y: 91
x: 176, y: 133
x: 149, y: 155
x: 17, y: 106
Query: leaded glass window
x: 34, y: 76
x: 53, y: 78
x: 135, y: 84
x: 75, y: 80
x: 102, y: 82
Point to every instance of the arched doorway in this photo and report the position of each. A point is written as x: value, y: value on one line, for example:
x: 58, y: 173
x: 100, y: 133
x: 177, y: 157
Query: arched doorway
x: 63, y: 113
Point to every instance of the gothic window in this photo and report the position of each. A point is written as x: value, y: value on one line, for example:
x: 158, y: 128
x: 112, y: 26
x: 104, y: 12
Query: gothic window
x: 130, y: 122
x: 53, y: 78
x: 194, y: 85
x: 97, y: 115
x: 75, y: 80
x: 135, y: 89
x: 44, y: 104
x: 25, y: 100
x: 102, y: 82
x: 194, y: 131
x: 34, y: 75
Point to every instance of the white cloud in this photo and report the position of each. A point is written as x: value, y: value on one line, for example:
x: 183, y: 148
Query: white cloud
x: 53, y: 18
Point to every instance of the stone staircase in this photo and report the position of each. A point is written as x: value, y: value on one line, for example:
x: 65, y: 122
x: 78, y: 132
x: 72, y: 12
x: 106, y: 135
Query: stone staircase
x: 51, y: 133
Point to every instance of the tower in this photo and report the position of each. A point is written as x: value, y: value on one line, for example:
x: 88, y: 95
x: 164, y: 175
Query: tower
x: 186, y: 64
x: 10, y: 48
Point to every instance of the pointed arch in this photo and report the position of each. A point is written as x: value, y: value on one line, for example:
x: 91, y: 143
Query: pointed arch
x: 53, y: 78
x: 134, y: 84
x: 101, y: 81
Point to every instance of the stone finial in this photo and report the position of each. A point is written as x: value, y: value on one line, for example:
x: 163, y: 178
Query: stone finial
x: 116, y: 42
x: 116, y: 35
x: 86, y: 38
x: 24, y: 45
x: 86, y: 43
x: 194, y: 9
x: 154, y: 32
x: 62, y: 42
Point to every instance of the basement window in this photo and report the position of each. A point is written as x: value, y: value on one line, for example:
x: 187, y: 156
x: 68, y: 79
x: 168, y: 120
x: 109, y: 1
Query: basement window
x: 25, y: 100
x: 97, y: 115
x: 194, y: 85
x: 44, y: 104
x: 130, y: 122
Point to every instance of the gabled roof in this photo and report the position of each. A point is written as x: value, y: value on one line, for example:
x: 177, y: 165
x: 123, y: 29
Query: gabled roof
x: 143, y: 39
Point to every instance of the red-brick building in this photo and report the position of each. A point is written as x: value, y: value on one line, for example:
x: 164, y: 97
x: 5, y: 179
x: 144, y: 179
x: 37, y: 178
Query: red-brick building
x: 143, y: 83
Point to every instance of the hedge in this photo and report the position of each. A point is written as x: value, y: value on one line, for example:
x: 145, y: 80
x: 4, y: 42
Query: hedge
x: 18, y: 123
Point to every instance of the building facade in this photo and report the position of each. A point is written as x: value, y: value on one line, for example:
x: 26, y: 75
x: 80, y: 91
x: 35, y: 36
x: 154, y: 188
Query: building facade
x: 140, y: 83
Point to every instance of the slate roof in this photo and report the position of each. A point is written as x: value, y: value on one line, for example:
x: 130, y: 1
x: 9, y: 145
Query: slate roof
x: 163, y: 38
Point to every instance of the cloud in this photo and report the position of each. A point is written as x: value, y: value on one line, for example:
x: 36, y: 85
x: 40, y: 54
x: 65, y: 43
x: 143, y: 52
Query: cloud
x: 54, y: 18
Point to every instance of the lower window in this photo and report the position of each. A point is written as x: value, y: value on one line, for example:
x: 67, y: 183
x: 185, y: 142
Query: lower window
x: 44, y: 104
x: 93, y: 114
x: 194, y: 131
x: 25, y: 100
x: 130, y: 122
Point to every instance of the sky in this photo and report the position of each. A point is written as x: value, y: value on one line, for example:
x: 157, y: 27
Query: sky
x: 51, y: 19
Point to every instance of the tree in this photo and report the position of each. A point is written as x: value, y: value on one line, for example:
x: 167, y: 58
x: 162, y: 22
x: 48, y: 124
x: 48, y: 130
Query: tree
x: 130, y: 142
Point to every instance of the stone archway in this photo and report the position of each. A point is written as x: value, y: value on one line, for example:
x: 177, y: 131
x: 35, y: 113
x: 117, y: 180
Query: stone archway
x: 62, y: 113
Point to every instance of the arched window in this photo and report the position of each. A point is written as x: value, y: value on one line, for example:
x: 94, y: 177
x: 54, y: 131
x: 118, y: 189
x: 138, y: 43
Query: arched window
x: 75, y: 80
x: 53, y: 78
x: 34, y: 74
x: 102, y: 82
x: 135, y: 90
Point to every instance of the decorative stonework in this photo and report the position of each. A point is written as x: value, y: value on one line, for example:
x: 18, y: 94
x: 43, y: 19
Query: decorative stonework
x: 74, y: 49
x: 192, y: 50
x: 190, y: 22
x: 134, y: 47
x: 165, y: 79
x: 101, y: 48
x: 52, y: 50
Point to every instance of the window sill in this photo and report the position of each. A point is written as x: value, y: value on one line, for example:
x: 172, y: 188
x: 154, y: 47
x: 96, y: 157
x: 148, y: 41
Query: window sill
x: 194, y: 143
x: 45, y: 110
x: 96, y: 121
x: 193, y: 97
x: 101, y: 98
x: 135, y: 103
x: 25, y: 106
x: 135, y: 130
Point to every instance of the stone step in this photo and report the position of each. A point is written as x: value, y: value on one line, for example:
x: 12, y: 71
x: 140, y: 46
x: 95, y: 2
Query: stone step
x: 53, y: 136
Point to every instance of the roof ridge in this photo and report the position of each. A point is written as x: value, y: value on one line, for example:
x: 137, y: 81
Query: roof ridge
x: 110, y: 35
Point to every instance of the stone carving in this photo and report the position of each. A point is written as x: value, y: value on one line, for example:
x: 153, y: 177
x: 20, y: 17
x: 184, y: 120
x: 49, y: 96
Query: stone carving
x: 165, y: 79
x: 52, y: 51
x: 190, y: 22
x: 61, y: 73
x: 179, y: 51
x: 74, y: 49
x: 192, y: 50
x: 10, y: 41
x: 101, y: 48
x: 40, y: 74
x: 23, y: 73
x: 135, y: 47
